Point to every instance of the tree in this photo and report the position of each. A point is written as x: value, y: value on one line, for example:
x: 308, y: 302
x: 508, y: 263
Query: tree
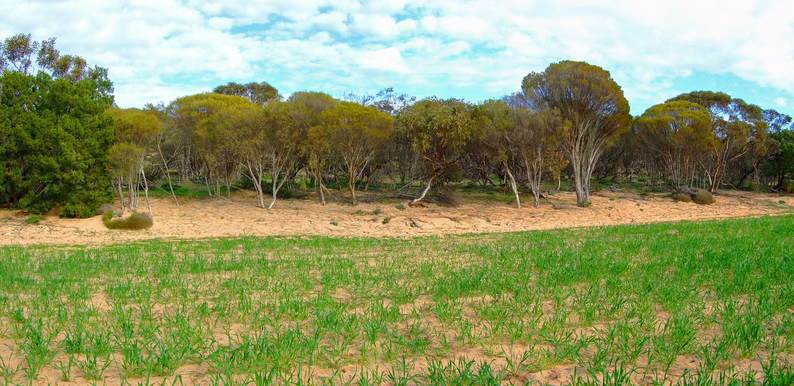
x: 288, y: 131
x: 780, y: 163
x: 54, y: 134
x: 356, y: 133
x: 438, y: 130
x: 202, y: 137
x: 16, y: 54
x: 259, y: 93
x: 245, y: 125
x: 738, y: 126
x: 678, y: 133
x: 586, y: 96
x: 135, y: 134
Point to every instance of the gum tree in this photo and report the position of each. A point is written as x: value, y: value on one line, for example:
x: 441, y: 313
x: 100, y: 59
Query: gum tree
x: 678, y: 134
x: 356, y: 133
x: 135, y: 134
x: 737, y: 125
x: 438, y: 130
x: 592, y: 102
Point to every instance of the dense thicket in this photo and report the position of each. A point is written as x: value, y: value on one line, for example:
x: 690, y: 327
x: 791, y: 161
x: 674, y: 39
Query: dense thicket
x: 54, y: 135
x: 61, y: 145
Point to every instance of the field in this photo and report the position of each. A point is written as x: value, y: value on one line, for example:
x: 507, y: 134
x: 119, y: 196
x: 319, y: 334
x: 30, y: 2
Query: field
x: 686, y: 302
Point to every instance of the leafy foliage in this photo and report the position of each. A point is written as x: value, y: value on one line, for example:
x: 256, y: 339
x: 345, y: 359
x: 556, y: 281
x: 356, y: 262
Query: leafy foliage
x: 54, y: 141
x: 592, y: 102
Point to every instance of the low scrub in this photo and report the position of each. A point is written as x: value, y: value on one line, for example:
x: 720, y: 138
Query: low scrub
x: 682, y: 197
x: 703, y: 197
x: 135, y: 221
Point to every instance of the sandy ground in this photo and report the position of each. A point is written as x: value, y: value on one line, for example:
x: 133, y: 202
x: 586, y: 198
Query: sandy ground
x: 238, y: 216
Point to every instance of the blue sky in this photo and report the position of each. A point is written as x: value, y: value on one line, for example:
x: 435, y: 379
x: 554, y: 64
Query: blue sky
x: 158, y: 50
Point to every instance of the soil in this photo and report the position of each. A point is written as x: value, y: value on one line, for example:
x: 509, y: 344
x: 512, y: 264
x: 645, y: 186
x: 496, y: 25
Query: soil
x: 238, y: 216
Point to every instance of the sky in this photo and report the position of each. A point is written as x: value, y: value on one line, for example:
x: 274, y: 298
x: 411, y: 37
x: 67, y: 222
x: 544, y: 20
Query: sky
x: 158, y: 50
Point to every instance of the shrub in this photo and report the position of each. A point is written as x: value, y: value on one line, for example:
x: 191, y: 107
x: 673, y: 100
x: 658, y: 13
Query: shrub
x: 400, y: 206
x: 703, y: 197
x: 135, y: 221
x: 682, y: 197
x: 34, y: 219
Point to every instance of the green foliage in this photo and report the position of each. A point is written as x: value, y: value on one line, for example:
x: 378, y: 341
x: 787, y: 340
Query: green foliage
x: 134, y: 221
x: 34, y: 219
x: 592, y: 103
x: 679, y: 134
x: 258, y: 93
x: 54, y: 151
x: 703, y: 197
x: 400, y: 206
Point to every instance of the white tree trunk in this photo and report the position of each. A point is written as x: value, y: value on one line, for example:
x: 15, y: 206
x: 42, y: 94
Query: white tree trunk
x: 424, y: 192
x: 513, y: 184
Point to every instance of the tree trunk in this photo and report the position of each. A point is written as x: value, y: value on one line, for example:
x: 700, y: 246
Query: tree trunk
x: 121, y: 194
x: 167, y: 172
x: 146, y: 191
x: 351, y: 183
x: 424, y: 192
x: 513, y: 184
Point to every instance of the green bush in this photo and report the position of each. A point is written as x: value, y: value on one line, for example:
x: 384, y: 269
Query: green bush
x: 55, y: 138
x: 135, y: 221
x: 703, y: 197
x: 34, y: 219
x: 682, y: 197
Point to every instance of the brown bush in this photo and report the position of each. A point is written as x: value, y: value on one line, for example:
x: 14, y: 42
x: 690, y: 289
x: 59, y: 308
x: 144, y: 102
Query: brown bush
x: 135, y: 221
x: 703, y: 197
x: 682, y: 197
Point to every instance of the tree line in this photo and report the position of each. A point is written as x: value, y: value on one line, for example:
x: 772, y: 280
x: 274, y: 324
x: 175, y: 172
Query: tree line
x: 63, y: 143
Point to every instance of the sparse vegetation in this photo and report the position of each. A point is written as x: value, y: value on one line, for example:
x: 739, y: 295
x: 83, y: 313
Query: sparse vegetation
x: 34, y: 219
x: 587, y: 303
x: 682, y: 197
x: 703, y: 197
x: 135, y: 221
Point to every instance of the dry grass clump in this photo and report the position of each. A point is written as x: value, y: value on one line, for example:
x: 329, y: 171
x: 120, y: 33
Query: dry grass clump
x: 135, y: 221
x: 703, y: 197
x: 700, y: 196
x: 682, y: 197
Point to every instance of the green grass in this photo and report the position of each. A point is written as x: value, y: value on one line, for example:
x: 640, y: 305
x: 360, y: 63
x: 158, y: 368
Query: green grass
x: 680, y: 302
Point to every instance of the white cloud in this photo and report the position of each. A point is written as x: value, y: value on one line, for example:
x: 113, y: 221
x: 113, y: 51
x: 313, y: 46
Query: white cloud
x: 156, y: 50
x: 781, y: 102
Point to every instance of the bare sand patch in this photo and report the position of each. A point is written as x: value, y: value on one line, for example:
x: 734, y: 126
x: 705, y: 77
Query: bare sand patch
x: 238, y: 216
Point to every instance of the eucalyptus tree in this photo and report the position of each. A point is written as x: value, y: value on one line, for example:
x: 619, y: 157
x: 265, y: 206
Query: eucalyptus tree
x: 678, y: 134
x: 498, y: 121
x: 202, y: 138
x: 287, y: 129
x: 356, y: 133
x: 737, y: 125
x: 438, y: 130
x: 259, y: 93
x: 592, y: 102
x: 135, y: 134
